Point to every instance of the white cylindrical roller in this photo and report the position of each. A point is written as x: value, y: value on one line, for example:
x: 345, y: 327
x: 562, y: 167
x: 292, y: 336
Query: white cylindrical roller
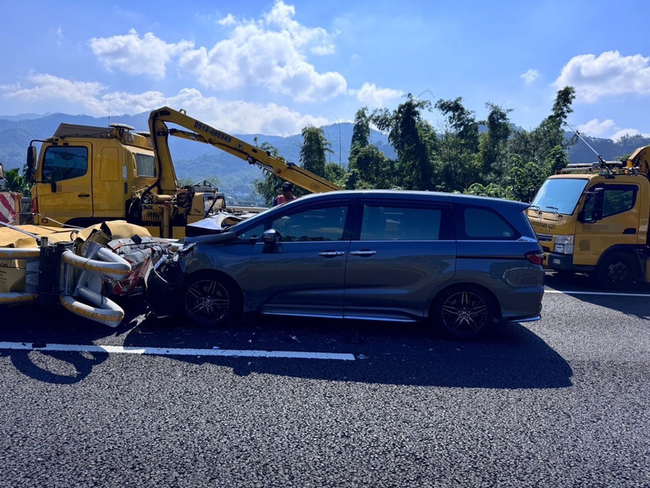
x: 116, y: 267
x: 111, y: 316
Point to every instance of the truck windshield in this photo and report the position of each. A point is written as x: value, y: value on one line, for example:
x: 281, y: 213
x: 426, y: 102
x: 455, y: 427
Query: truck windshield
x: 560, y: 195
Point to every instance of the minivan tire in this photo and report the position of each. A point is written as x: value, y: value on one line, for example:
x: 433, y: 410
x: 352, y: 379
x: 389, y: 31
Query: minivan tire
x: 208, y: 300
x: 465, y: 313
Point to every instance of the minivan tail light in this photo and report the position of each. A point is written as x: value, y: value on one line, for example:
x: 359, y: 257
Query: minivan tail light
x: 535, y: 257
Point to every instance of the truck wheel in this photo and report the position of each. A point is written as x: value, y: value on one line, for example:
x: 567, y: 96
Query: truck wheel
x: 465, y: 312
x: 617, y: 271
x: 208, y: 300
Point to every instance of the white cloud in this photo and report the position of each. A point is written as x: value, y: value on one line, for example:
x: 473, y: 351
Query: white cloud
x: 47, y: 87
x: 230, y: 116
x: 627, y: 132
x: 270, y: 52
x: 609, y: 74
x: 596, y: 128
x: 137, y: 55
x: 228, y: 20
x: 608, y: 129
x: 376, y: 97
x: 530, y: 75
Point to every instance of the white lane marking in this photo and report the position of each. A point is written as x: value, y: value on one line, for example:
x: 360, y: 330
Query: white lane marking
x: 602, y: 293
x: 170, y: 351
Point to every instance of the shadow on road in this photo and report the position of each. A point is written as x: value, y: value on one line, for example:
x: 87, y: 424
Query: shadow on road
x: 384, y: 353
x: 589, y: 292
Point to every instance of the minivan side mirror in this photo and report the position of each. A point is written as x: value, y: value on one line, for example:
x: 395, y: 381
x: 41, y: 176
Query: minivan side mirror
x: 270, y: 237
x: 31, y: 164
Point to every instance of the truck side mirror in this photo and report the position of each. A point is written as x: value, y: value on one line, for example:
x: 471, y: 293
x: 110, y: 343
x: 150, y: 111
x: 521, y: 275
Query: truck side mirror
x: 595, y: 213
x: 598, y: 204
x: 31, y: 164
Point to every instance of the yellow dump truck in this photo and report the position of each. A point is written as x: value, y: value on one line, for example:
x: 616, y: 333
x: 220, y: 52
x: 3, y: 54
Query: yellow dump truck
x: 594, y: 218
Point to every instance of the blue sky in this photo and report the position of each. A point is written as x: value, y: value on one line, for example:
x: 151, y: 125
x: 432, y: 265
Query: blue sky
x: 273, y: 67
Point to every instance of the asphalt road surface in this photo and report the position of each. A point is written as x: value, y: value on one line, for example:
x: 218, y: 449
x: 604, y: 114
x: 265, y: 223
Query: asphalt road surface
x: 563, y: 401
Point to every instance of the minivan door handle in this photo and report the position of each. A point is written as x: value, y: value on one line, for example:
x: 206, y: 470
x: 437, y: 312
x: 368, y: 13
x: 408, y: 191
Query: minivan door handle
x: 331, y: 254
x: 363, y: 253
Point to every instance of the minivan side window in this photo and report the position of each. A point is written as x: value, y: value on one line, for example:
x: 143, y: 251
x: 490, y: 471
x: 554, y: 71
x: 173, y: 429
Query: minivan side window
x: 400, y: 223
x: 483, y: 223
x: 64, y: 163
x: 316, y: 224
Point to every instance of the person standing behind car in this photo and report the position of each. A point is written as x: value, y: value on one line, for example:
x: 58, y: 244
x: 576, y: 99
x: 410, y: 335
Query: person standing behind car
x: 287, y: 194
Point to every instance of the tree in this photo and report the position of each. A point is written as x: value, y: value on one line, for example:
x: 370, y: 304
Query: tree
x: 493, y: 143
x: 536, y: 145
x: 373, y: 168
x: 313, y: 154
x: 360, y: 131
x: 15, y: 182
x: 411, y: 136
x: 458, y: 158
x: 462, y: 121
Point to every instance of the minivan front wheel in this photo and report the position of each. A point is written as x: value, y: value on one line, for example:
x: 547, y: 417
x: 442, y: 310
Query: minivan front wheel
x: 465, y: 313
x: 208, y: 300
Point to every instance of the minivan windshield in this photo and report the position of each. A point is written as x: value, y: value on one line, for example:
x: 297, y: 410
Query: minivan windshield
x: 559, y: 195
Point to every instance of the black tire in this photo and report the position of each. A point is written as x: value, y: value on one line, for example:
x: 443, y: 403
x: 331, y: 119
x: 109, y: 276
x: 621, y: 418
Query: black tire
x: 618, y: 271
x: 208, y: 300
x: 465, y: 313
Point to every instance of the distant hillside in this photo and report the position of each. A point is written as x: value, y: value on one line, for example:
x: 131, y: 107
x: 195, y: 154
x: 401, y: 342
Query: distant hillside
x: 608, y: 149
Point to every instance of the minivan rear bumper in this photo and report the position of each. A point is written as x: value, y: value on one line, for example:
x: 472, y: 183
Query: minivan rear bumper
x: 522, y: 305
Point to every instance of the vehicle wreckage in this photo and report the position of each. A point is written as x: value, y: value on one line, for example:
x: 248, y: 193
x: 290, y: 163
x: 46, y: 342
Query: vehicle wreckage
x: 82, y: 269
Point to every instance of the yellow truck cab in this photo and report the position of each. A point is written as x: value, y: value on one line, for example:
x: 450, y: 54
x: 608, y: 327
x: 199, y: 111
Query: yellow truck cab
x: 86, y: 175
x: 594, y: 218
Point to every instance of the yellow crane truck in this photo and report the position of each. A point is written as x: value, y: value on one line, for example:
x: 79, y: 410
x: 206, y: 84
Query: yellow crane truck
x: 594, y: 218
x: 84, y: 175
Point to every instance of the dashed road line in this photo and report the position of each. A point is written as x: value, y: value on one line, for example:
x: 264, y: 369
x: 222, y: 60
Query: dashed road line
x: 170, y: 351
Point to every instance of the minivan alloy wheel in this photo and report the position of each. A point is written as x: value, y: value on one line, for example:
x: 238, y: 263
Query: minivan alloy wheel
x: 207, y: 301
x: 464, y: 312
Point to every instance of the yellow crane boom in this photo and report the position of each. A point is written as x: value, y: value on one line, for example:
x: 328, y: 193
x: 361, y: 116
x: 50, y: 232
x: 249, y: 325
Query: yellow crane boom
x: 201, y: 132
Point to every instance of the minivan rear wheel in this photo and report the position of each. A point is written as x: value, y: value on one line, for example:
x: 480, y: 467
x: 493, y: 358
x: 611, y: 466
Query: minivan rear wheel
x: 465, y: 313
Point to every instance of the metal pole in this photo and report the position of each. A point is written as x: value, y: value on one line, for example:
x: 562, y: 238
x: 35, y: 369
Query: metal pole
x: 338, y: 122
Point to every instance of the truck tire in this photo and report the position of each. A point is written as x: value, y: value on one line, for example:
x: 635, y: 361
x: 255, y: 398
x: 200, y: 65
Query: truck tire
x: 618, y: 271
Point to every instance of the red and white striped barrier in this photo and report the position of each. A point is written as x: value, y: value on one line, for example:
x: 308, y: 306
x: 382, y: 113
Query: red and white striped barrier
x: 9, y: 207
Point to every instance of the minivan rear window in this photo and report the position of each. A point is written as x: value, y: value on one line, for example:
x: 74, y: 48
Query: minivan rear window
x: 483, y: 223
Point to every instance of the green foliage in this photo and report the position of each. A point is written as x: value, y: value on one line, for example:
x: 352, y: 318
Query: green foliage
x: 360, y: 131
x: 537, y: 144
x: 462, y: 121
x: 313, y: 154
x: 412, y: 138
x: 16, y: 182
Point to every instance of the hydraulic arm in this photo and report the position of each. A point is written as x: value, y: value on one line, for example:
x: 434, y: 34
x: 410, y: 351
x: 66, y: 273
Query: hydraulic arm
x: 201, y: 132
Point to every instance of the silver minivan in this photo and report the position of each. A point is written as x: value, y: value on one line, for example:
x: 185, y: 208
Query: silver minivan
x: 462, y: 263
